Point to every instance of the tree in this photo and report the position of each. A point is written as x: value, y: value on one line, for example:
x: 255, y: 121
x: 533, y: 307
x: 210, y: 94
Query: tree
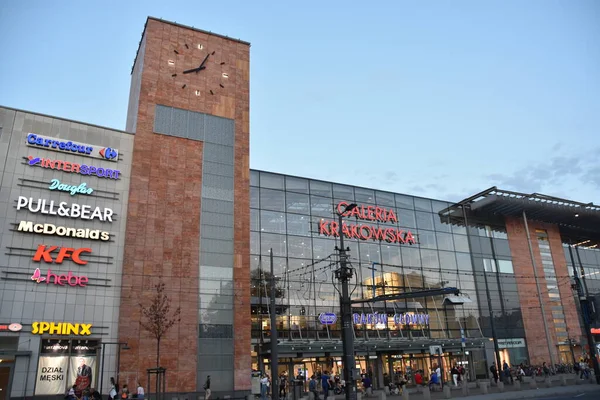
x: 158, y: 321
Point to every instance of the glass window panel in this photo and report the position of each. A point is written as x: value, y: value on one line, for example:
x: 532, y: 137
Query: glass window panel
x: 254, y: 243
x: 272, y: 200
x: 343, y: 192
x: 463, y: 261
x: 429, y: 258
x: 364, y: 195
x: 422, y: 204
x: 424, y: 220
x: 390, y: 254
x: 274, y: 241
x: 441, y: 226
x: 410, y: 256
x: 297, y: 203
x: 489, y: 265
x: 369, y: 252
x: 438, y: 206
x: 322, y: 248
x: 272, y: 221
x: 447, y: 260
x: 298, y: 224
x: 299, y: 247
x: 505, y: 266
x: 406, y: 218
x: 293, y: 184
x: 320, y: 188
x: 384, y: 199
x: 403, y: 201
x: 321, y: 206
x: 499, y: 233
x: 426, y: 239
x: 271, y: 181
x: 444, y: 241
x: 461, y: 230
x: 254, y: 178
x: 461, y: 243
x: 254, y: 196
x: 254, y: 220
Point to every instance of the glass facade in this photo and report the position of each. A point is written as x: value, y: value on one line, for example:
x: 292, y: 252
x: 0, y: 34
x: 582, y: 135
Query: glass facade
x: 297, y: 219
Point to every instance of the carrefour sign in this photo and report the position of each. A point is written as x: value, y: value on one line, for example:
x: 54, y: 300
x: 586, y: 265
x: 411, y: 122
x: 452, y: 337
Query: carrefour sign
x: 68, y: 146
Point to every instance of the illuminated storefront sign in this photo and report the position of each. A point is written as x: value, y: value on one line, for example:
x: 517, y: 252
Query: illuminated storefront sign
x: 61, y: 328
x: 399, y: 319
x: 367, y: 232
x: 511, y: 343
x: 44, y: 253
x: 105, y: 153
x: 59, y: 279
x: 327, y: 318
x: 74, y: 168
x: 80, y: 189
x: 14, y: 327
x: 63, y: 209
x: 595, y: 331
x: 51, y: 229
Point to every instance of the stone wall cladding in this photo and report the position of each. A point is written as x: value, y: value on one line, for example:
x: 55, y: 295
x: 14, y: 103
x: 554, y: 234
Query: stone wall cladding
x: 530, y: 306
x: 163, y: 233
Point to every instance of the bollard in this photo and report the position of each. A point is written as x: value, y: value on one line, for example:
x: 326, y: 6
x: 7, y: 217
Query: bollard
x: 484, y: 387
x: 426, y: 393
x: 381, y: 395
x: 405, y: 395
x: 563, y: 380
x: 517, y: 385
x: 387, y: 390
x: 501, y: 386
x: 249, y: 397
x: 533, y: 384
x: 447, y: 392
x: 358, y: 396
x: 464, y: 389
x: 548, y: 382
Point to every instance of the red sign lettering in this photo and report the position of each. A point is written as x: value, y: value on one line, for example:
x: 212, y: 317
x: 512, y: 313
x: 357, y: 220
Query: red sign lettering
x: 367, y: 232
x: 44, y: 253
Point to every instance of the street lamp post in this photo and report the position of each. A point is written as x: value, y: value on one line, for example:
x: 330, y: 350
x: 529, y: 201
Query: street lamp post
x: 344, y: 274
x: 122, y: 345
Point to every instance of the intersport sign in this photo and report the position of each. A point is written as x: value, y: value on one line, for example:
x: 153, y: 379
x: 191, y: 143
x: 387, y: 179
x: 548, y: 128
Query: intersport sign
x: 51, y: 229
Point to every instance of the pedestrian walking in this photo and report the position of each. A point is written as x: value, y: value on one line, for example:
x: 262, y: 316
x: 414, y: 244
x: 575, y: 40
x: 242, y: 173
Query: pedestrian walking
x: 312, y: 387
x: 455, y: 373
x: 140, y: 391
x: 494, y: 372
x: 207, y: 388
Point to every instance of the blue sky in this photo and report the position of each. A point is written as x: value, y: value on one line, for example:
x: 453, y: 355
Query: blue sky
x: 439, y: 99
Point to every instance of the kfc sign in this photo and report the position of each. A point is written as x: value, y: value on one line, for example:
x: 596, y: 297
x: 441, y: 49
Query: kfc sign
x: 367, y: 232
x: 56, y: 255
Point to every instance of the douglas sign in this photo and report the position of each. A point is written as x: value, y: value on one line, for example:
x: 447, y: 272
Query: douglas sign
x: 367, y: 232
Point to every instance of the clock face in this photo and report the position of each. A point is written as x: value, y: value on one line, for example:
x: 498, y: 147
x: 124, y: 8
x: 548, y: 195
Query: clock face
x: 194, y: 68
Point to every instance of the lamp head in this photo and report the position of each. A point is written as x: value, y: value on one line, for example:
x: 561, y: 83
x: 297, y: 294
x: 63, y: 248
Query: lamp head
x: 350, y: 207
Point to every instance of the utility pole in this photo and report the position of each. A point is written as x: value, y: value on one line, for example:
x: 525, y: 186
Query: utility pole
x: 274, y: 354
x: 585, y: 311
x: 344, y: 274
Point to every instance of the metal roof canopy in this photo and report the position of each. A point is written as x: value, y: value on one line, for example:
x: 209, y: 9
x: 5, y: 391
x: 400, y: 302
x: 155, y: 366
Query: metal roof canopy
x: 576, y: 221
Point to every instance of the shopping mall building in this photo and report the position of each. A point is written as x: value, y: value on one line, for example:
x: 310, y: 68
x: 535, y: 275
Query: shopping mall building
x: 92, y: 219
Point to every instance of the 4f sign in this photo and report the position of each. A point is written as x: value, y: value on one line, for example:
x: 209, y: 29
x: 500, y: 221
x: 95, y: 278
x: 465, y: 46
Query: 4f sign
x: 67, y: 146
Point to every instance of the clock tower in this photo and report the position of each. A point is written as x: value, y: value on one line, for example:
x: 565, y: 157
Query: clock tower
x: 188, y: 214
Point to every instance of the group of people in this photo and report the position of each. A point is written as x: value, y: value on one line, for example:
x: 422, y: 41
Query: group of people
x: 92, y: 393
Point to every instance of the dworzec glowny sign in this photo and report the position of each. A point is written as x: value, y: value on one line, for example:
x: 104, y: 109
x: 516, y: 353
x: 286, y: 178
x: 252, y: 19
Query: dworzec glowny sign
x: 61, y: 328
x: 68, y: 146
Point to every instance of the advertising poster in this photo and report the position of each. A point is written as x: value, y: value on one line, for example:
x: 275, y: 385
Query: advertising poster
x: 81, y: 372
x: 51, y: 375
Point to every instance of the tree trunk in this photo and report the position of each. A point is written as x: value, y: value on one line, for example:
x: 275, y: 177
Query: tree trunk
x: 157, y: 353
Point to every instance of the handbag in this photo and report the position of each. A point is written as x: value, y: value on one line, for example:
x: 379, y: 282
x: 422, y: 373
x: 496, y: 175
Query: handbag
x: 112, y: 393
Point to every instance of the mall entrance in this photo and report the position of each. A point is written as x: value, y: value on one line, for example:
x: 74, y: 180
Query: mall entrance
x: 7, y: 364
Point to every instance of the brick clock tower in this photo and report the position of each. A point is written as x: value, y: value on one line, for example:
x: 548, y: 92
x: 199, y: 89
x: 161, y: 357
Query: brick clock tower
x: 188, y: 214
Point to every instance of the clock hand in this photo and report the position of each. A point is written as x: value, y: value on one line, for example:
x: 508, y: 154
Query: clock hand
x: 189, y: 71
x: 203, y: 62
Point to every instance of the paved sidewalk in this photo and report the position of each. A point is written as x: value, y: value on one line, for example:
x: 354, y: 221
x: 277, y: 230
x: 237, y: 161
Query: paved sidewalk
x: 475, y: 394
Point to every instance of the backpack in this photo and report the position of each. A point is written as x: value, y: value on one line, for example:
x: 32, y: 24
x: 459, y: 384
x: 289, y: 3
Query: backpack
x: 312, y: 385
